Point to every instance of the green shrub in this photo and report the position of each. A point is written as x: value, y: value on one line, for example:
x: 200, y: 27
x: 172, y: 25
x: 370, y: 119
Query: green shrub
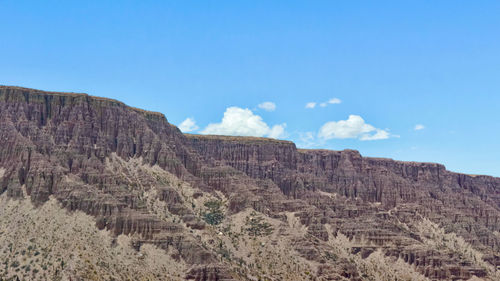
x: 214, y: 214
x: 257, y: 226
x: 213, y: 218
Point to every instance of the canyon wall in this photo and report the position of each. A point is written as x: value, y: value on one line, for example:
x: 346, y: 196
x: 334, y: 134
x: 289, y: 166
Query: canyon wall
x: 140, y: 176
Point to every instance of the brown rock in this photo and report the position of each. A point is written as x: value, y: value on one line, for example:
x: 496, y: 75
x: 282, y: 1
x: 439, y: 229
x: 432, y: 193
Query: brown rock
x: 59, y: 144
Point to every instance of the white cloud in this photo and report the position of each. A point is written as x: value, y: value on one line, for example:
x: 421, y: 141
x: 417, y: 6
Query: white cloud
x: 324, y: 104
x: 310, y: 105
x: 419, y: 127
x: 268, y: 106
x: 352, y: 128
x: 188, y: 125
x: 277, y: 131
x: 379, y: 135
x: 243, y: 122
x: 334, y: 101
x: 307, y: 140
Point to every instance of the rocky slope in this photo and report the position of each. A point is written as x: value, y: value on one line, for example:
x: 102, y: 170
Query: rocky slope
x: 173, y: 206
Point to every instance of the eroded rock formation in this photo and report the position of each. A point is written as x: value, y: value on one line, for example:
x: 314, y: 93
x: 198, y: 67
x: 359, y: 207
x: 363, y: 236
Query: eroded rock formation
x: 328, y: 215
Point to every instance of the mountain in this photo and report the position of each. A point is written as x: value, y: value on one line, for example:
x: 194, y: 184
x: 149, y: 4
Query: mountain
x: 92, y: 189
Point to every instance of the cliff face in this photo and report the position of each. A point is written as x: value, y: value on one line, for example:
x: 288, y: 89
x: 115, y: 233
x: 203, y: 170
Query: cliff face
x: 343, y: 172
x: 58, y: 144
x: 137, y: 175
x: 462, y: 204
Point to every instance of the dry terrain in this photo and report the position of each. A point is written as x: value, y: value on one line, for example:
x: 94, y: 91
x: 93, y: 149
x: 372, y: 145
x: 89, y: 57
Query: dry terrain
x: 91, y: 189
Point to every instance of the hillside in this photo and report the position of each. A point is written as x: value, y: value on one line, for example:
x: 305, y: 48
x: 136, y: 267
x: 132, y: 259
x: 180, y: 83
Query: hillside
x: 92, y: 189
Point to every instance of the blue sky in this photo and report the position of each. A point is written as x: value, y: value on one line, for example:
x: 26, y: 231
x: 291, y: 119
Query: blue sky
x: 392, y: 65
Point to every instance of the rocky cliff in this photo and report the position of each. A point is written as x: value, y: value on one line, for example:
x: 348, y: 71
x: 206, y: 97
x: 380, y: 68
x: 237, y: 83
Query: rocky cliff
x: 241, y: 208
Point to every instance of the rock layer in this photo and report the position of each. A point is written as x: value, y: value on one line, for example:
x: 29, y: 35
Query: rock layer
x: 114, y: 163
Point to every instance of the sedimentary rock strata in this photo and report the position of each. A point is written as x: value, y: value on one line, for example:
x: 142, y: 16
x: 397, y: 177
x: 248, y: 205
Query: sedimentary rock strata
x: 232, y: 208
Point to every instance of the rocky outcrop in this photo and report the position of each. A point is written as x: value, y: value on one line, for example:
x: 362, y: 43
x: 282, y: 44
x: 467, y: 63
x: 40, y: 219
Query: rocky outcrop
x: 62, y: 145
x: 208, y: 273
x: 57, y: 144
x: 370, y: 197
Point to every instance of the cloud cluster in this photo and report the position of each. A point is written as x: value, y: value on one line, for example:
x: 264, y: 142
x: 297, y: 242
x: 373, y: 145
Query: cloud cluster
x: 239, y: 121
x: 419, y: 127
x: 310, y: 105
x: 188, y: 125
x: 243, y: 122
x: 268, y: 106
x: 354, y: 127
x: 323, y: 104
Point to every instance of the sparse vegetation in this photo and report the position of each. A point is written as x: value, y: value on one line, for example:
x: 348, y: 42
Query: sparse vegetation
x: 257, y: 226
x: 71, y: 243
x: 50, y: 244
x: 214, y: 214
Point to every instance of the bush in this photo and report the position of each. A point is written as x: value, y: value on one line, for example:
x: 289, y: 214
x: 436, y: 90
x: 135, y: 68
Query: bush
x: 331, y: 256
x: 213, y: 218
x: 257, y: 226
x: 214, y: 214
